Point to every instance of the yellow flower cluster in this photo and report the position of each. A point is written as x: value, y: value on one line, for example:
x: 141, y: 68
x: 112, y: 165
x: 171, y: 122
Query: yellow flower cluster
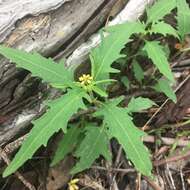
x: 85, y: 79
x: 72, y: 184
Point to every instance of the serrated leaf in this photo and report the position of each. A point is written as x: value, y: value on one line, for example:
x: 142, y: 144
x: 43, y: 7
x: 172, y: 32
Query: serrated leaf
x: 67, y: 144
x: 117, y: 101
x: 39, y: 66
x: 56, y: 118
x: 99, y: 91
x: 95, y: 143
x: 164, y: 29
x: 159, y: 10
x: 109, y: 50
x: 167, y: 51
x: 183, y: 18
x: 122, y: 128
x: 138, y: 71
x: 164, y: 86
x: 139, y: 104
x: 125, y: 81
x: 157, y: 55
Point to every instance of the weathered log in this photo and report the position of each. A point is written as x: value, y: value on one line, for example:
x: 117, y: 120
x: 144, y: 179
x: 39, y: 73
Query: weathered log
x: 11, y: 12
x: 54, y: 28
x: 47, y: 29
x: 132, y: 11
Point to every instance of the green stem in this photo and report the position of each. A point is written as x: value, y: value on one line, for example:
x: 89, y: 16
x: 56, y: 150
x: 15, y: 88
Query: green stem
x: 104, y: 81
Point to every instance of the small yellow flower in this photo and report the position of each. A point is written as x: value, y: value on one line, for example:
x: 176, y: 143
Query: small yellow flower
x: 85, y: 79
x: 72, y: 184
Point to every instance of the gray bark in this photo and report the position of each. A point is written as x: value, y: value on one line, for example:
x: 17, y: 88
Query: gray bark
x: 52, y: 27
x: 12, y: 11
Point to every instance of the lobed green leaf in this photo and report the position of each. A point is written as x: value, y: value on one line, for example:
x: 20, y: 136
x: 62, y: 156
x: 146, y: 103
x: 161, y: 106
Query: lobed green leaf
x: 164, y: 87
x: 99, y: 91
x: 164, y: 29
x: 95, y: 143
x: 121, y: 127
x: 56, y: 118
x: 126, y: 82
x: 139, y: 104
x: 39, y: 66
x: 157, y: 55
x: 159, y: 10
x: 138, y: 71
x: 67, y: 144
x: 183, y: 18
x: 109, y: 50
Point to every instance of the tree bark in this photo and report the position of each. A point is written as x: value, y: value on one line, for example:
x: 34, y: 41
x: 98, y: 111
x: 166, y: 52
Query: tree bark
x: 54, y: 28
x: 47, y: 27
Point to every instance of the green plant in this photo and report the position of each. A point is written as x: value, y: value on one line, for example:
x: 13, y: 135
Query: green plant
x: 87, y: 140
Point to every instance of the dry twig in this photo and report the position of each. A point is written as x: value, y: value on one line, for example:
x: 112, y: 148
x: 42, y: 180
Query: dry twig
x: 159, y: 109
x: 4, y: 156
